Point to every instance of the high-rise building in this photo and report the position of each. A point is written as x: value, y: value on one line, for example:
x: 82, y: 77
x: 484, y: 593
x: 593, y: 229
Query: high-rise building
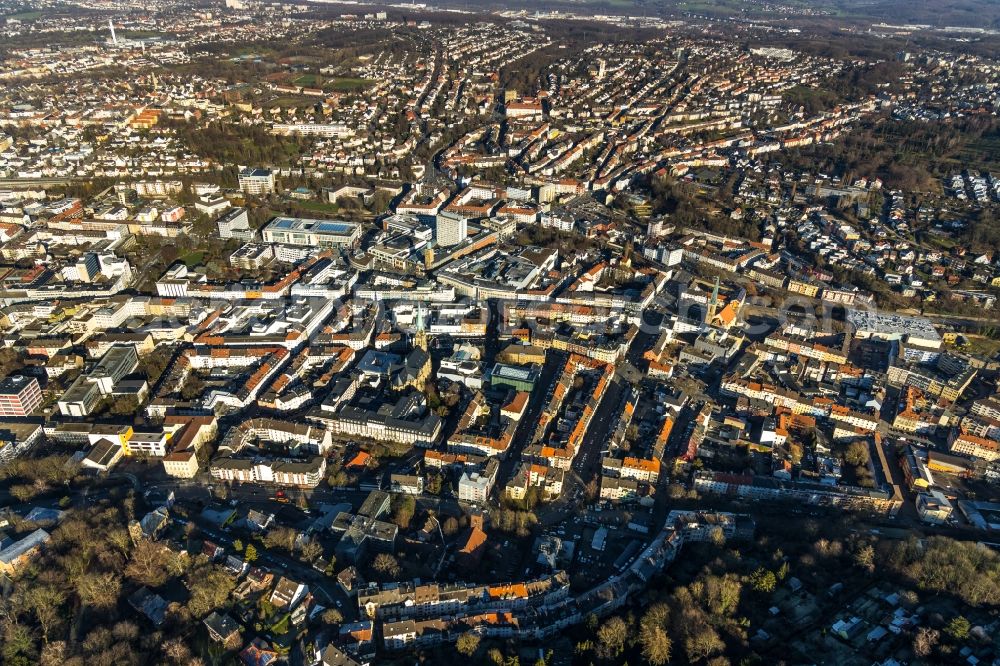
x: 19, y: 395
x: 256, y: 181
x: 451, y: 229
x: 235, y: 224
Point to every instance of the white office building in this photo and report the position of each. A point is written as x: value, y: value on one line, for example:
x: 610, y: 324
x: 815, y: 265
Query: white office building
x: 451, y: 230
x: 257, y: 182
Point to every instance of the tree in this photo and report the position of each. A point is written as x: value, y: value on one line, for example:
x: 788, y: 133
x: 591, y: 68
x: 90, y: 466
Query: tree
x: 17, y: 646
x: 405, y: 507
x: 702, y: 641
x: 280, y: 537
x: 939, y: 564
x: 449, y: 526
x: 924, y: 641
x: 763, y: 580
x: 332, y: 616
x: 467, y: 644
x: 857, y: 454
x: 124, y: 406
x: 210, y: 587
x: 10, y: 360
x: 656, y: 646
x: 193, y: 387
x: 719, y: 594
x: 783, y: 571
x: 238, y: 545
x: 656, y: 616
x: 177, y: 651
x: 311, y: 550
x: 152, y: 564
x: 958, y: 628
x: 53, y: 654
x: 250, y: 554
x: 611, y: 637
x: 24, y: 491
x: 864, y: 557
x: 386, y: 565
x: 99, y: 589
x: 45, y: 601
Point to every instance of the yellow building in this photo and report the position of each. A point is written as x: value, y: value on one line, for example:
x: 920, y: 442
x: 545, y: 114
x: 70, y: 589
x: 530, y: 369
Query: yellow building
x: 807, y: 289
x: 181, y: 464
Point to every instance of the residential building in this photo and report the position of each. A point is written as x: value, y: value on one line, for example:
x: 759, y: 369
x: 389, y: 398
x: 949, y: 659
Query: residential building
x: 235, y: 224
x: 19, y: 553
x: 475, y: 487
x: 408, y: 484
x: 933, y: 507
x: 257, y: 182
x: 19, y: 395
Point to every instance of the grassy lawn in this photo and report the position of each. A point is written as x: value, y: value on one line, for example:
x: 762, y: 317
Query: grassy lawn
x: 287, y: 102
x: 26, y: 16
x: 318, y: 206
x: 306, y: 81
x: 988, y: 347
x: 345, y: 84
x: 282, y: 626
x: 192, y: 258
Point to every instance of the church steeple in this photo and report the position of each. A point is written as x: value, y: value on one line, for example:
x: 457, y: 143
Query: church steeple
x: 420, y: 337
x: 713, y: 305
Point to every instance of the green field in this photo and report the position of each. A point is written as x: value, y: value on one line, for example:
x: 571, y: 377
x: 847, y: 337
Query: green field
x: 346, y: 84
x: 307, y: 80
x: 333, y: 84
x: 286, y: 102
x: 193, y: 258
x: 26, y: 16
x: 980, y: 153
x: 318, y: 206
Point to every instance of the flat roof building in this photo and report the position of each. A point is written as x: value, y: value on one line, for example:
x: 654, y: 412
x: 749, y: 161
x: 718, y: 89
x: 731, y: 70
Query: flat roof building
x: 520, y: 378
x: 891, y: 326
x: 256, y: 181
x: 311, y: 233
x: 19, y: 395
x: 235, y: 224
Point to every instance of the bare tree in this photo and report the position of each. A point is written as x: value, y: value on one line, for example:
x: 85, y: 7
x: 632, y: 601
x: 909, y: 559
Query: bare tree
x: 924, y: 641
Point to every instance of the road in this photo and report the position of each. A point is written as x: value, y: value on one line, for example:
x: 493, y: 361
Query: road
x: 587, y: 463
x: 554, y: 362
x: 324, y: 588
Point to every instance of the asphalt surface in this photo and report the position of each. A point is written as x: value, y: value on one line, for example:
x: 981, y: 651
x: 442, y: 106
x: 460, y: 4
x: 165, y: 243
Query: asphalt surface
x: 554, y: 362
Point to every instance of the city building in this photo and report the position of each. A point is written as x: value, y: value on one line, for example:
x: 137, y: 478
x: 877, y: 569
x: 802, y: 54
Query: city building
x: 18, y: 554
x: 235, y: 224
x: 451, y: 229
x: 257, y: 182
x: 311, y: 233
x: 475, y: 487
x: 519, y: 378
x: 19, y: 395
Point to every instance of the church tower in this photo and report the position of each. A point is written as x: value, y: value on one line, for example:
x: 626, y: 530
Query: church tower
x: 420, y: 337
x: 713, y: 305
